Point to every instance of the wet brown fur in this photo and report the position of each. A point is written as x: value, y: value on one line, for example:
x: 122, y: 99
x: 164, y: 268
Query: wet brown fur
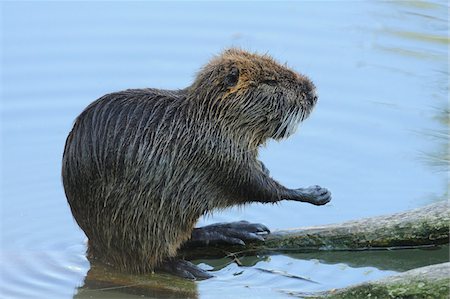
x: 141, y: 166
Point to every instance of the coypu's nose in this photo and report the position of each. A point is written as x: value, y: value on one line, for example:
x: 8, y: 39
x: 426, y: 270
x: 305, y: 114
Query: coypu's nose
x: 312, y: 97
x: 306, y: 89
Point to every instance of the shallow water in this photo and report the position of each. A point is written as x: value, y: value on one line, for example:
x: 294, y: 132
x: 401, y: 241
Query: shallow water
x: 381, y: 69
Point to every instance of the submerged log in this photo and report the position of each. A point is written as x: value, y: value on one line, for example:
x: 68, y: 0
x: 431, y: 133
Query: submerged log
x: 425, y: 282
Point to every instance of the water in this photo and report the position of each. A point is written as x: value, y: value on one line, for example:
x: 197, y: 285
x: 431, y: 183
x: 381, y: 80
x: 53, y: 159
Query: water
x: 381, y: 69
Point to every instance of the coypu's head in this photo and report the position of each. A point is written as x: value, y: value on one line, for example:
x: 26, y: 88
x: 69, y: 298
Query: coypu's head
x: 253, y: 95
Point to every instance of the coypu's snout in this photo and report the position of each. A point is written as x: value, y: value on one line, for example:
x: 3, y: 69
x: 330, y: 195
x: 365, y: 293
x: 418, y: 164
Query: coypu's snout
x: 311, y: 97
x: 299, y: 97
x: 306, y: 93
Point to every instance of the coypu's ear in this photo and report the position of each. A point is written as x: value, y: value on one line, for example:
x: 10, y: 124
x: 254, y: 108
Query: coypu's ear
x: 233, y: 77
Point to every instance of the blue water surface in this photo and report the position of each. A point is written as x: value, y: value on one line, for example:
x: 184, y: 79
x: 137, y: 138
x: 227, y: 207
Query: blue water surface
x: 381, y: 70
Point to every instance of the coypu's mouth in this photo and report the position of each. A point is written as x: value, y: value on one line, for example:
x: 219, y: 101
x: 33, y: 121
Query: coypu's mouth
x: 290, y: 122
x: 288, y: 125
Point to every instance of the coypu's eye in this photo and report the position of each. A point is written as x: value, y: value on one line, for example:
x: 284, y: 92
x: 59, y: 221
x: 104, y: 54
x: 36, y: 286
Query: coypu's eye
x: 270, y: 82
x: 232, y: 78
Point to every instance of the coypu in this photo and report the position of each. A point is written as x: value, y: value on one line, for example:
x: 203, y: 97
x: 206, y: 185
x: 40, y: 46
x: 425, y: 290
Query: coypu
x: 141, y: 166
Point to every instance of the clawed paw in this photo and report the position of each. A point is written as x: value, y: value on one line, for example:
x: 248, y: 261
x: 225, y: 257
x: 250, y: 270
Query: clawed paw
x: 232, y: 233
x: 317, y: 195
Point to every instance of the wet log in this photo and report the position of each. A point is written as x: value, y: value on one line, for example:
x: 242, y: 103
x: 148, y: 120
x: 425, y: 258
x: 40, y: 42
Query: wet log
x: 425, y: 282
x: 422, y: 227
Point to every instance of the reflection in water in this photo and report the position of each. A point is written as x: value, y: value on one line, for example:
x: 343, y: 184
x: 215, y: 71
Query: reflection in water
x: 104, y: 282
x: 439, y: 158
x: 395, y: 260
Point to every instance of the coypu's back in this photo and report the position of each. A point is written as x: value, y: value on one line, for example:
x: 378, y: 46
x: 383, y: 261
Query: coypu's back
x: 120, y: 149
x: 118, y: 127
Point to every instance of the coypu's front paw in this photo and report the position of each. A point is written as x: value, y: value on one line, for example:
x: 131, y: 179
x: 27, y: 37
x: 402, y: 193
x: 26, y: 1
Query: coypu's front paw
x: 184, y: 269
x: 315, y: 195
x: 231, y: 233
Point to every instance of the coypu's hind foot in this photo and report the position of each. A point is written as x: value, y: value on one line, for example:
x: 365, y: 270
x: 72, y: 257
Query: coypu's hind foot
x: 231, y: 233
x: 184, y: 269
